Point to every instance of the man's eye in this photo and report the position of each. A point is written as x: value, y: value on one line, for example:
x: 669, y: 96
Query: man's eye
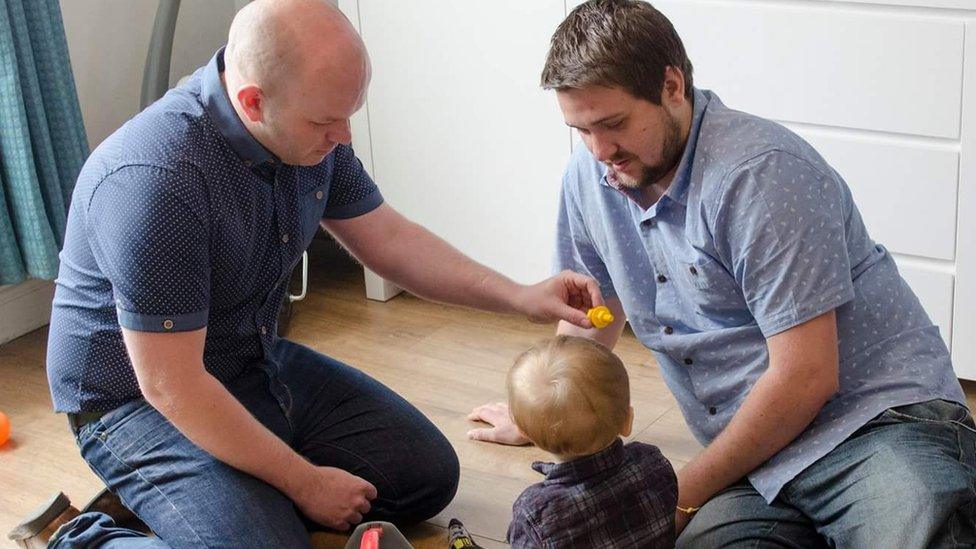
x: 614, y: 125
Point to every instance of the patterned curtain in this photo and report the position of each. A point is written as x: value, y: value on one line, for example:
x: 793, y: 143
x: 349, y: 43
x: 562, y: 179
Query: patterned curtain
x: 42, y: 138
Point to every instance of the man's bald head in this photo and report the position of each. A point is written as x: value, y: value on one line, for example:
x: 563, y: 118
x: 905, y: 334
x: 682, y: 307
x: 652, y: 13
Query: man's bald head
x: 276, y: 42
x: 296, y: 71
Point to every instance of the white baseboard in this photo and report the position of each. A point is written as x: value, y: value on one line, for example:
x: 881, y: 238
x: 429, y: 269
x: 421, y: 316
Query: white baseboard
x: 378, y: 288
x: 24, y: 307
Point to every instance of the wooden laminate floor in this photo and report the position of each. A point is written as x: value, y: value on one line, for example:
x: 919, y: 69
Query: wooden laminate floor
x: 444, y: 360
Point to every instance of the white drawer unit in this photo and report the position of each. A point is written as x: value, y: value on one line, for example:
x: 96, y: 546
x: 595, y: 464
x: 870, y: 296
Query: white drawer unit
x: 459, y: 136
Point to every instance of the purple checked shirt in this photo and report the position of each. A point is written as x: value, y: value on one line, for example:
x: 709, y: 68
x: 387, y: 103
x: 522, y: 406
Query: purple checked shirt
x: 622, y: 496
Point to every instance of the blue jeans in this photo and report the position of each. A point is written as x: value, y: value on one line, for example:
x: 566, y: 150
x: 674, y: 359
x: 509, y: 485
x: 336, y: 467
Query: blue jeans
x: 328, y: 412
x: 905, y: 480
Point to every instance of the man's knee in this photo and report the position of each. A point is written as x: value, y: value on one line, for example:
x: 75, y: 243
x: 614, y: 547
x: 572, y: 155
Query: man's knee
x: 740, y: 517
x: 438, y: 484
x: 899, y: 486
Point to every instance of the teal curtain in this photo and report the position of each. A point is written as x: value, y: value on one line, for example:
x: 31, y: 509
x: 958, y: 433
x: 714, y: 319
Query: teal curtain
x: 42, y: 138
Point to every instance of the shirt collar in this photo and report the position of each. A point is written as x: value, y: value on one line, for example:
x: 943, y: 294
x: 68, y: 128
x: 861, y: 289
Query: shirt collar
x: 678, y: 190
x: 225, y: 118
x: 571, y: 472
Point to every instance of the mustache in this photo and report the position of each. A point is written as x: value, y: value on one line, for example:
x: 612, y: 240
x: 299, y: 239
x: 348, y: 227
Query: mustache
x: 616, y: 159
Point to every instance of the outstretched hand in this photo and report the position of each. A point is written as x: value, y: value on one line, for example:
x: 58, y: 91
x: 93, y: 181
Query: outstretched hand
x: 566, y: 296
x: 502, y: 431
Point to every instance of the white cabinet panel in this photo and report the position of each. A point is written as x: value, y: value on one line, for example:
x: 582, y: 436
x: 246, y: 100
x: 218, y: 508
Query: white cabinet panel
x: 934, y: 290
x: 964, y: 306
x: 949, y: 4
x: 463, y: 139
x: 906, y: 193
x: 828, y: 65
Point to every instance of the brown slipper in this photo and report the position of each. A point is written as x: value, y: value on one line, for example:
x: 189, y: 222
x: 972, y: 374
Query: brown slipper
x: 43, y: 522
x: 108, y: 503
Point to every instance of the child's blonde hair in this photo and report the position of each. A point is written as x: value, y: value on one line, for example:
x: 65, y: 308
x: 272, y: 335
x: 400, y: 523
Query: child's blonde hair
x: 569, y: 395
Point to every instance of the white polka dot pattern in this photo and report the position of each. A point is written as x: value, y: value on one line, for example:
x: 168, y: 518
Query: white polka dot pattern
x: 755, y: 235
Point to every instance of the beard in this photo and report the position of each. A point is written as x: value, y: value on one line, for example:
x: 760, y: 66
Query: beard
x: 671, y: 152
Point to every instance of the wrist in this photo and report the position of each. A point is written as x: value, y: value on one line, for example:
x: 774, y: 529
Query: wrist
x: 509, y: 294
x: 690, y: 495
x: 296, y: 476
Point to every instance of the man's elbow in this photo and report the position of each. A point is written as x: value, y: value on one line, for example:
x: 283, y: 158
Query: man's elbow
x: 164, y: 393
x: 825, y: 384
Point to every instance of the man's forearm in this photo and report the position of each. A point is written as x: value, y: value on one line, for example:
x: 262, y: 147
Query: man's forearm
x: 424, y: 264
x: 207, y: 414
x: 776, y: 411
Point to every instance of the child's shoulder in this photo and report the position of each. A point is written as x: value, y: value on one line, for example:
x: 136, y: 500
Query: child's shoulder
x: 638, y: 448
x: 534, y: 504
x: 647, y: 455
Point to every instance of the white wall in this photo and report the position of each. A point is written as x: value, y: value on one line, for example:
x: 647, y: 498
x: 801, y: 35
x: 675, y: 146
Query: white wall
x: 108, y: 41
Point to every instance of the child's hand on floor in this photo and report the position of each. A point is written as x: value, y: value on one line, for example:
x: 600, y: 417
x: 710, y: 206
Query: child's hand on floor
x: 503, y: 430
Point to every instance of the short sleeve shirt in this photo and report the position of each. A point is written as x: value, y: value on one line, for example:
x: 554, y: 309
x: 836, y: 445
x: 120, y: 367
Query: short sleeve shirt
x: 181, y: 220
x: 755, y: 235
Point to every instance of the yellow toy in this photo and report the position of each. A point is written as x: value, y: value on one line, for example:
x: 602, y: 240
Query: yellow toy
x: 4, y: 428
x: 601, y: 317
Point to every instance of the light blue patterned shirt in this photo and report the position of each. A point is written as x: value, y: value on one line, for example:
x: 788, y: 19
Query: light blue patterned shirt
x: 755, y: 235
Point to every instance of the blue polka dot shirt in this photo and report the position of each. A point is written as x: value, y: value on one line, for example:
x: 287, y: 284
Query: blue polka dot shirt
x: 756, y: 234
x: 181, y: 220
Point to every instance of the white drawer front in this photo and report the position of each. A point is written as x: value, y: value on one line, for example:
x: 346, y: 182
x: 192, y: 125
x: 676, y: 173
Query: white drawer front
x: 840, y: 66
x: 906, y: 193
x: 934, y: 290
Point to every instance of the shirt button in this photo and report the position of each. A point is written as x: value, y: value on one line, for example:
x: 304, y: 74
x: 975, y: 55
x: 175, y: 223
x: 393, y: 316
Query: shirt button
x: 662, y: 279
x: 712, y: 411
x: 284, y: 238
x: 689, y: 361
x: 168, y: 324
x: 319, y: 195
x: 263, y: 330
x: 693, y: 270
x: 668, y: 330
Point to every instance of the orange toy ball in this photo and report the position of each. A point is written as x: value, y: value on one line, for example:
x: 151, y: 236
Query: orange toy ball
x: 4, y: 428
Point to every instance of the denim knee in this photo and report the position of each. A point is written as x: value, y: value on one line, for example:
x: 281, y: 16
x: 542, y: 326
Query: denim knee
x: 443, y: 475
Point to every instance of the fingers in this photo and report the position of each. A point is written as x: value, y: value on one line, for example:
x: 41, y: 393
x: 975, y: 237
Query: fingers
x: 341, y: 526
x: 593, y: 289
x: 574, y: 316
x: 590, y: 288
x: 476, y: 414
x: 363, y: 507
x: 586, y: 288
x: 488, y: 413
x: 355, y: 518
x: 370, y: 492
x: 485, y: 435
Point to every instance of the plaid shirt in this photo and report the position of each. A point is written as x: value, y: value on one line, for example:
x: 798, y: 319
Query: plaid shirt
x: 622, y: 496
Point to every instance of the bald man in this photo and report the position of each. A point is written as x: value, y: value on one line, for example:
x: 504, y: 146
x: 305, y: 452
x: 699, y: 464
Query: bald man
x: 184, y: 228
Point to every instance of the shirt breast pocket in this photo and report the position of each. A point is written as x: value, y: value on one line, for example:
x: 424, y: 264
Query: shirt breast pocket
x: 712, y: 289
x: 705, y: 273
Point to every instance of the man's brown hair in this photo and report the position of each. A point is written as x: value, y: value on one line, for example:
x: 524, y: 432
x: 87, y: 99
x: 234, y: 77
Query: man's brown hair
x: 616, y: 43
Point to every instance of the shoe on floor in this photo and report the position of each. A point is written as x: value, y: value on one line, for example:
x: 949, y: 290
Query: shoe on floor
x: 36, y: 530
x: 110, y: 504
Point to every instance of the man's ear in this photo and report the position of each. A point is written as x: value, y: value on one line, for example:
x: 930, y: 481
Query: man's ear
x: 673, y: 90
x: 251, y: 100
